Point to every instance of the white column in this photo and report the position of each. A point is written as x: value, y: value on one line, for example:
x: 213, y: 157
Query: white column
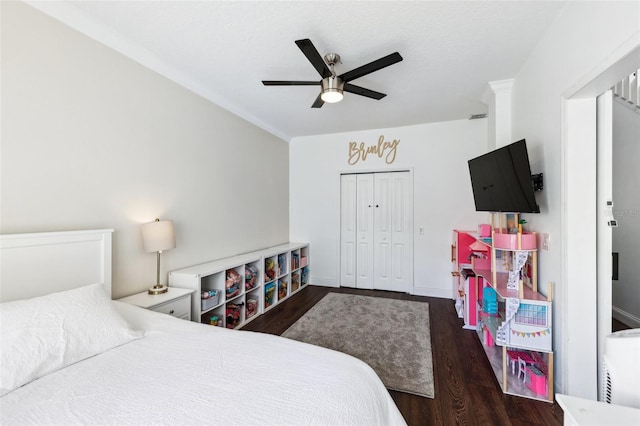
x: 498, y: 98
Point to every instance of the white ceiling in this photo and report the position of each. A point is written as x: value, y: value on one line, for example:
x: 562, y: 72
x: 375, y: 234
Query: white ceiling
x: 224, y: 49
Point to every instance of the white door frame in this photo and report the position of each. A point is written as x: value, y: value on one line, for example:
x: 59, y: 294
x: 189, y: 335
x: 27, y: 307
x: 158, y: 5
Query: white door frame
x: 578, y: 351
x: 604, y: 194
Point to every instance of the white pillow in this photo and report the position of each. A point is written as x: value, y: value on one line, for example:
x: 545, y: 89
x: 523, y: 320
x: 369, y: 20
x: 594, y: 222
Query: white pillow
x: 44, y: 334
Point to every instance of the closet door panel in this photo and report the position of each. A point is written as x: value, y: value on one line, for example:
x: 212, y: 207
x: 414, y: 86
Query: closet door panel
x: 365, y: 230
x: 348, y: 229
x: 382, y: 255
x: 402, y: 232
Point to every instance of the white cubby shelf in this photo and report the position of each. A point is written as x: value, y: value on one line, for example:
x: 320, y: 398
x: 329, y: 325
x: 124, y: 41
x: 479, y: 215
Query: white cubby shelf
x: 246, y: 285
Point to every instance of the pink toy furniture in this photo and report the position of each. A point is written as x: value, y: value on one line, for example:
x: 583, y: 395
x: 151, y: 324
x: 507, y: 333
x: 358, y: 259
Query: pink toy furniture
x: 524, y: 360
x: 536, y: 380
x: 487, y: 337
x: 484, y: 230
x: 515, y: 356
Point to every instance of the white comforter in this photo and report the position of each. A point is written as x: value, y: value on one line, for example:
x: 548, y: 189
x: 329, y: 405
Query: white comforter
x: 183, y: 373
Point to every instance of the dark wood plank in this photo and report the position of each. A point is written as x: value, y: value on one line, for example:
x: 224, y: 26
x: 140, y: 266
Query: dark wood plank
x: 466, y: 389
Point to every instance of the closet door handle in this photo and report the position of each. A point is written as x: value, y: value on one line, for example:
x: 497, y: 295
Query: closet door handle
x: 369, y: 205
x: 377, y: 206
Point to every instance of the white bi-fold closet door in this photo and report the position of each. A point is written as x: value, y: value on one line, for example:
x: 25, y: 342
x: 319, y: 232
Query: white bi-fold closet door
x: 376, y: 238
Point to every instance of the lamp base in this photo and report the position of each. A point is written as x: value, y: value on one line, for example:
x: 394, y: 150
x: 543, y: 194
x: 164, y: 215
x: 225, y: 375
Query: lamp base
x: 158, y: 289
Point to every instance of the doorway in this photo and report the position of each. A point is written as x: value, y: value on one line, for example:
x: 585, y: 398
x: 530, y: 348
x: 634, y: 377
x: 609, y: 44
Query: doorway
x: 618, y: 150
x: 626, y: 209
x: 581, y: 214
x: 376, y: 237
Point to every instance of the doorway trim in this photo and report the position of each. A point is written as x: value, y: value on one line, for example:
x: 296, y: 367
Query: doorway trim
x: 579, y: 349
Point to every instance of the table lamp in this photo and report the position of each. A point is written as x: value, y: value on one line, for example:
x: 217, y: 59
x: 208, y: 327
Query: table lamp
x: 158, y: 236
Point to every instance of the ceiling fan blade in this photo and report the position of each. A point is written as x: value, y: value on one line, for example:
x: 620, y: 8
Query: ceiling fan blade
x: 371, y: 67
x: 352, y: 88
x: 290, y: 83
x: 314, y: 57
x: 318, y: 102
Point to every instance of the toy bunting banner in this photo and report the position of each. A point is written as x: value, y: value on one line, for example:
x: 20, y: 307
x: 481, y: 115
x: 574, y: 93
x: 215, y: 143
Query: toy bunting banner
x: 531, y: 333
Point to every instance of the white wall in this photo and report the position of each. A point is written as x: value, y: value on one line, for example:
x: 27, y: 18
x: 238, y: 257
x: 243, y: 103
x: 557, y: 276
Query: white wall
x: 437, y: 153
x: 626, y: 238
x: 91, y: 139
x: 582, y: 39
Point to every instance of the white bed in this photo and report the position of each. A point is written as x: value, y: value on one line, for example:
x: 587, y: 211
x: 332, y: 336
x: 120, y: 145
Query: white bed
x: 179, y: 372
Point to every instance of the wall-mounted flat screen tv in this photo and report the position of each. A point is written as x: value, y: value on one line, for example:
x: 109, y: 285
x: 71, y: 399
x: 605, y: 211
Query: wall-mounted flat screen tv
x: 501, y: 180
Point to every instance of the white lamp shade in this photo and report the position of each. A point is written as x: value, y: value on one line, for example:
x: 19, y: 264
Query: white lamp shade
x: 158, y: 235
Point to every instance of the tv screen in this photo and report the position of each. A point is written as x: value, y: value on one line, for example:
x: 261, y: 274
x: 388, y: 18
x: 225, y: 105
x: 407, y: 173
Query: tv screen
x: 501, y: 180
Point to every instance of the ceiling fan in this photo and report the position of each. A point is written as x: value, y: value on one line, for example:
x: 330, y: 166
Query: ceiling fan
x: 333, y: 85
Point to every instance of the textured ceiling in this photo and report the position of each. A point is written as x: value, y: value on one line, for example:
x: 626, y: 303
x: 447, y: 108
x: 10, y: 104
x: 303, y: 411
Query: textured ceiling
x: 222, y: 50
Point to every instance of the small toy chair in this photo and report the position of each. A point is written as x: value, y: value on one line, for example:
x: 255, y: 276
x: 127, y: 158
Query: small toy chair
x: 522, y: 365
x: 524, y: 359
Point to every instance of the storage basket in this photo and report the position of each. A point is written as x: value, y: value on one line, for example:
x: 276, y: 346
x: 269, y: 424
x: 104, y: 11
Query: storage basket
x: 210, y: 299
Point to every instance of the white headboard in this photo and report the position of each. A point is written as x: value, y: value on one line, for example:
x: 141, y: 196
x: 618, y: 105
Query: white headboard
x: 41, y: 263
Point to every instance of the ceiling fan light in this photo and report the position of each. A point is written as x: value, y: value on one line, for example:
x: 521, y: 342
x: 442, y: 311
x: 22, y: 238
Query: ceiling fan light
x: 331, y: 96
x: 332, y: 90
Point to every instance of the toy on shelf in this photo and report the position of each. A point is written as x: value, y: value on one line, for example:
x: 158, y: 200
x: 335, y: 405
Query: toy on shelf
x: 252, y: 307
x: 521, y: 222
x: 232, y: 283
x: 250, y: 277
x: 269, y: 294
x: 282, y: 264
x: 305, y: 276
x: 295, y: 281
x: 232, y: 314
x: 282, y: 289
x: 209, y: 299
x: 269, y: 269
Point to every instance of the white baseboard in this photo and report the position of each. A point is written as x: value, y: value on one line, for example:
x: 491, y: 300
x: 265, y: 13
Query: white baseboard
x: 432, y: 292
x: 324, y: 282
x: 625, y: 317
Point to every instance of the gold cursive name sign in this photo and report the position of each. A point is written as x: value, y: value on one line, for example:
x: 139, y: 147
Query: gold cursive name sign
x: 383, y: 148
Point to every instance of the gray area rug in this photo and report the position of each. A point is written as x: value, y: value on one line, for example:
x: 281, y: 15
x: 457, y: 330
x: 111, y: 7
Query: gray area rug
x: 390, y: 335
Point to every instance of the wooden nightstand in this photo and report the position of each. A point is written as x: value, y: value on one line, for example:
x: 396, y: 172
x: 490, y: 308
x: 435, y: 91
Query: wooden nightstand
x: 175, y: 302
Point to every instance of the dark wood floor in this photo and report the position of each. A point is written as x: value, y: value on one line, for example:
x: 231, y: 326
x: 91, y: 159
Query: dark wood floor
x: 617, y: 325
x: 466, y: 390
